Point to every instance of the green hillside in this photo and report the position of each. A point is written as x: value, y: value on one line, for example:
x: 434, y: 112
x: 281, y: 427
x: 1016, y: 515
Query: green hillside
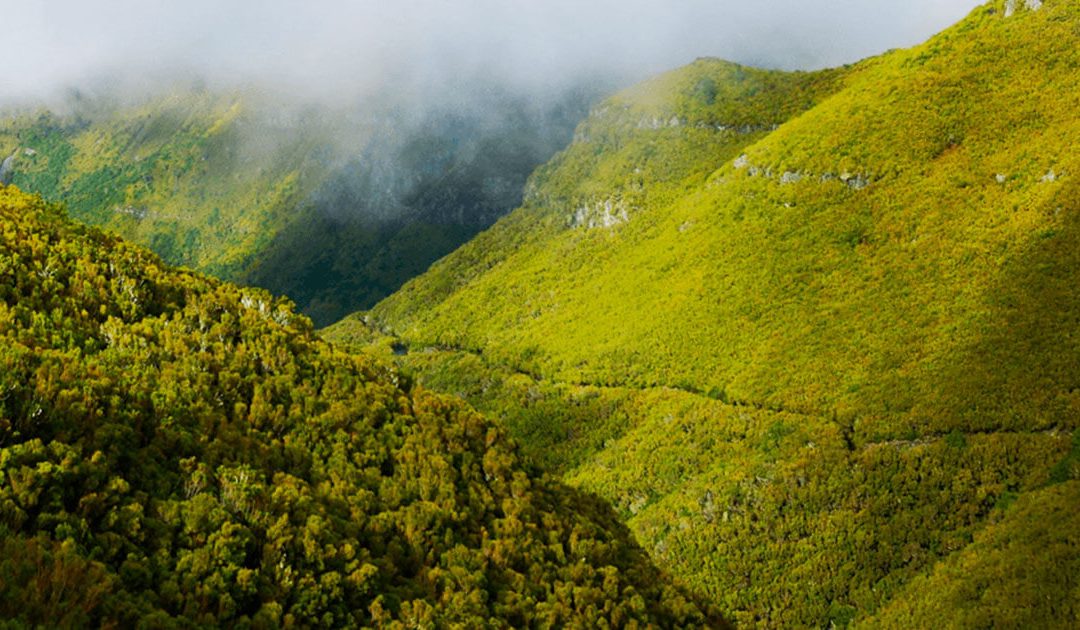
x: 333, y: 207
x: 175, y: 173
x: 180, y: 452
x: 980, y: 587
x: 812, y: 334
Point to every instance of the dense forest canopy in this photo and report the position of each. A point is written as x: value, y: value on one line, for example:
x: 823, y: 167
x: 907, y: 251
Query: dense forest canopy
x: 790, y: 349
x: 176, y: 451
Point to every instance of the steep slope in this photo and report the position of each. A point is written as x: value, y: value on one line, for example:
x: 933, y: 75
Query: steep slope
x: 806, y: 362
x: 334, y: 207
x: 179, y: 452
x: 184, y: 174
x: 980, y: 587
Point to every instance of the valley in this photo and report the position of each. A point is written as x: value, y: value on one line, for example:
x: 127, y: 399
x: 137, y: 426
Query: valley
x: 729, y: 346
x: 334, y: 207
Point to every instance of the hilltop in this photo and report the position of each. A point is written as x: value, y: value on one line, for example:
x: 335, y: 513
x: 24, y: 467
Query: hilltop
x: 176, y: 451
x: 812, y: 334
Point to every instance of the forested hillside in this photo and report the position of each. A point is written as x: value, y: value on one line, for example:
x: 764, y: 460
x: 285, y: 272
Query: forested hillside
x: 335, y: 207
x: 179, y: 452
x: 814, y: 334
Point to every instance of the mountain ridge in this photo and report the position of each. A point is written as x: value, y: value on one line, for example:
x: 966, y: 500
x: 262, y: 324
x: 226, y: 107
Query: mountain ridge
x: 858, y: 314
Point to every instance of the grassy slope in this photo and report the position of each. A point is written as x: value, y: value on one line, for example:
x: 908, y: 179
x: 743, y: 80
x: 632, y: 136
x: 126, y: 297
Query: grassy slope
x: 866, y: 357
x: 247, y: 474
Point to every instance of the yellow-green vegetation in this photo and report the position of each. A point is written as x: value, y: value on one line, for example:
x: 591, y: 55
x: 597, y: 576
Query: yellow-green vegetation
x: 334, y: 208
x: 810, y: 333
x: 180, y: 174
x: 990, y: 585
x: 179, y: 452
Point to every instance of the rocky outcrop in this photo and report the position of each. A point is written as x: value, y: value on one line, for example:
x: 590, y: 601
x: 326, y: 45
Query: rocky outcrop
x: 854, y: 181
x: 603, y: 214
x: 791, y: 177
x: 1012, y: 5
x: 132, y: 211
x: 7, y: 169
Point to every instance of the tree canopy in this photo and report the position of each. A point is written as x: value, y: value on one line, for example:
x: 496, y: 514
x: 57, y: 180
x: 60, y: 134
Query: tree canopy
x: 176, y: 451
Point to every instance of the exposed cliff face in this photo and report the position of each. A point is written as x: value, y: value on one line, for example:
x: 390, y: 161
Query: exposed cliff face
x: 1012, y: 5
x: 7, y: 169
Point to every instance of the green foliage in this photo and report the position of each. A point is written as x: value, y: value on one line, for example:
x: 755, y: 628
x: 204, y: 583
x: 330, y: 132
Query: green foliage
x: 1069, y: 467
x: 48, y: 584
x: 160, y: 171
x: 825, y: 321
x: 329, y: 208
x: 980, y: 587
x: 180, y: 452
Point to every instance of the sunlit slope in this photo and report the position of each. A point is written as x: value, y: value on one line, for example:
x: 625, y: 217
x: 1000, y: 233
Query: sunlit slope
x: 773, y: 514
x: 899, y: 255
x: 178, y: 452
x: 645, y: 148
x: 805, y: 363
x: 1020, y: 572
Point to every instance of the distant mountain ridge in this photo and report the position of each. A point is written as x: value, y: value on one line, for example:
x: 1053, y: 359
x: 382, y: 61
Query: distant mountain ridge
x: 334, y: 207
x: 812, y: 334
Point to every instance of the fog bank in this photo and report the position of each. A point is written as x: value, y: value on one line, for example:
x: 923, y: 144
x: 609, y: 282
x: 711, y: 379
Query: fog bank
x: 342, y: 50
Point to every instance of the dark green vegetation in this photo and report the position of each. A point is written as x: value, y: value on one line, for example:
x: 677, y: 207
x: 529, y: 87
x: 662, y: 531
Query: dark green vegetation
x: 988, y: 584
x: 814, y: 335
x: 179, y: 452
x: 335, y: 209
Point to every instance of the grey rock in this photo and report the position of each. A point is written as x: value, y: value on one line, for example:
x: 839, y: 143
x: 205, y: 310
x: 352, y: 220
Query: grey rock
x: 7, y: 169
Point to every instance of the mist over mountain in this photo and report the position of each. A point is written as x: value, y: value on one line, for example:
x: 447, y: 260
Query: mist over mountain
x: 333, y: 206
x: 786, y: 339
x: 342, y: 51
x: 363, y: 140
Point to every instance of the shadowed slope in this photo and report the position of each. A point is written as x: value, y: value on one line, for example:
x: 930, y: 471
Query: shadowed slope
x: 177, y: 452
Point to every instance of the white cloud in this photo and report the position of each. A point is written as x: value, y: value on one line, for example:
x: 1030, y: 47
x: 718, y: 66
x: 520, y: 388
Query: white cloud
x: 345, y: 47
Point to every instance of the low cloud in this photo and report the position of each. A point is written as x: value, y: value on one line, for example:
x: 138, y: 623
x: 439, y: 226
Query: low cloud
x: 349, y: 49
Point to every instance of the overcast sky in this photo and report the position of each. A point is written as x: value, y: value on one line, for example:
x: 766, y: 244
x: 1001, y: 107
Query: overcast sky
x: 344, y: 48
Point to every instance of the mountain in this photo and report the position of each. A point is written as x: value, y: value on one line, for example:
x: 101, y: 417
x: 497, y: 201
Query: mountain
x: 178, y: 452
x: 334, y: 206
x: 813, y: 334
